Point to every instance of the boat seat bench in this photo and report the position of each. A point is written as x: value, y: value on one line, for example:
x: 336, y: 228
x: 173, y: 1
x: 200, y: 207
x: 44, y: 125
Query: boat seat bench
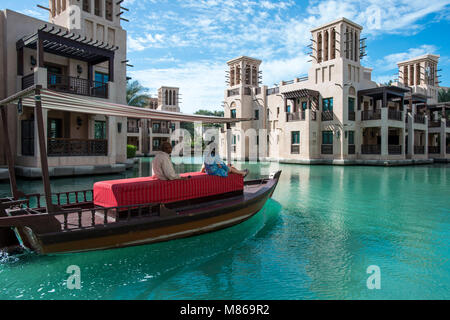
x: 136, y: 191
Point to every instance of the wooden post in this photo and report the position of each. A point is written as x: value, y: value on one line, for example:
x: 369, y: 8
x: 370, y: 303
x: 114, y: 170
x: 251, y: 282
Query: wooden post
x: 9, y: 157
x: 228, y: 143
x: 43, y: 151
x: 40, y: 52
x: 111, y: 69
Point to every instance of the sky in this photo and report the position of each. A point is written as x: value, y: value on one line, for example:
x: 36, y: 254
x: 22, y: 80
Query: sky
x: 186, y: 43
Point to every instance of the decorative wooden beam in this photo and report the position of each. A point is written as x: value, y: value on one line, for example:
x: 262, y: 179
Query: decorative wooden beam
x: 44, y: 8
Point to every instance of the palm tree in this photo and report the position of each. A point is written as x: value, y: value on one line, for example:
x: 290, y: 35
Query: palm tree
x: 137, y: 95
x: 444, y: 95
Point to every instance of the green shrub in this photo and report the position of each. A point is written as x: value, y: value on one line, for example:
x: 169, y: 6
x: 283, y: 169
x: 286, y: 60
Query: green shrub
x: 131, y: 151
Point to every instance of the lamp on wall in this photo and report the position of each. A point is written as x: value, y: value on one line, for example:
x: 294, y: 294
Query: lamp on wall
x: 33, y: 61
x: 79, y: 69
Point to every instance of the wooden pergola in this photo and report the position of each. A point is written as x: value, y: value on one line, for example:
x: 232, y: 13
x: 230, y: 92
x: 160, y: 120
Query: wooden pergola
x: 383, y: 94
x: 311, y: 95
x: 61, y: 42
x: 38, y: 98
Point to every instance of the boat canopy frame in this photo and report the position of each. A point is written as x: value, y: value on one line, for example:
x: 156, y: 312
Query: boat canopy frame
x: 38, y: 98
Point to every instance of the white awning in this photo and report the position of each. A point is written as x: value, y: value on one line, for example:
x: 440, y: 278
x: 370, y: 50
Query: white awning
x: 72, y: 103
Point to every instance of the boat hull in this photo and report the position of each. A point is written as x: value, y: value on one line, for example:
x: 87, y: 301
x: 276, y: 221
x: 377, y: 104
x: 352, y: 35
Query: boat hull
x: 153, y: 230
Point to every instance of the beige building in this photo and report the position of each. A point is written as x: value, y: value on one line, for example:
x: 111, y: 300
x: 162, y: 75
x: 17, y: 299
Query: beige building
x: 81, y: 51
x: 148, y: 135
x: 337, y: 114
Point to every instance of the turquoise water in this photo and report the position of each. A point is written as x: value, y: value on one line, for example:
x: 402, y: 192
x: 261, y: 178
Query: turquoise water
x: 314, y: 240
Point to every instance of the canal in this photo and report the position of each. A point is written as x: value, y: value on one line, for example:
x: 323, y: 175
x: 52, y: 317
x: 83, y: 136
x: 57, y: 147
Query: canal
x: 314, y: 240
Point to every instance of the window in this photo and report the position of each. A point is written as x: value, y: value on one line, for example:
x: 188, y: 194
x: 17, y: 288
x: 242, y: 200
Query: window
x: 87, y: 5
x: 351, y: 137
x: 233, y: 142
x: 295, y: 137
x: 100, y: 130
x: 351, y: 104
x: 233, y: 113
x: 101, y: 77
x: 256, y: 114
x: 295, y: 142
x: 327, y: 104
x: 98, y: 8
x: 327, y: 137
x: 54, y: 129
x: 304, y: 105
x: 109, y: 10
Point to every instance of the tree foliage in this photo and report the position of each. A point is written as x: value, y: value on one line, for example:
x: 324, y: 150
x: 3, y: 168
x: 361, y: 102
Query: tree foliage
x: 137, y: 95
x: 444, y: 95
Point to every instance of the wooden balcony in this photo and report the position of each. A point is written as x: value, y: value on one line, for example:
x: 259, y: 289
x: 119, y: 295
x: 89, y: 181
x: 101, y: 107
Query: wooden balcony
x: 327, y: 149
x: 133, y: 130
x: 394, y: 150
x: 77, y: 86
x: 370, y: 115
x: 434, y: 149
x: 371, y: 149
x: 418, y: 118
x: 327, y: 116
x: 434, y: 124
x: 161, y: 130
x: 351, y: 116
x: 351, y: 149
x: 395, y: 115
x: 295, y: 149
x: 77, y: 147
x: 419, y: 149
x: 296, y: 116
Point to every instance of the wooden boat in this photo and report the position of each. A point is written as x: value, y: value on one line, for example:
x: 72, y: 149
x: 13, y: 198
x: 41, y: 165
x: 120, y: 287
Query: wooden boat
x: 83, y: 226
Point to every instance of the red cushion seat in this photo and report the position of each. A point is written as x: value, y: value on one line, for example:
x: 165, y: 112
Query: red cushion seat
x: 117, y: 193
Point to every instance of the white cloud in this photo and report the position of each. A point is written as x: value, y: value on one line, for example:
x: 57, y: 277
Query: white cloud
x: 390, y: 61
x: 201, y: 84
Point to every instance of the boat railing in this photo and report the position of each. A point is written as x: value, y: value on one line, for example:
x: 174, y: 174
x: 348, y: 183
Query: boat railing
x: 37, y: 201
x: 79, y: 219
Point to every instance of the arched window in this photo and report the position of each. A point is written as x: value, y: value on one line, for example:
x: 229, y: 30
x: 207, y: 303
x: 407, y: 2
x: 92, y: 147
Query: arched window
x: 352, y: 91
x: 232, y: 77
x: 166, y: 100
x: 254, y: 76
x: 170, y: 97
x: 351, y: 45
x: 347, y: 44
x: 333, y: 44
x: 405, y: 75
x: 319, y: 47
x: 327, y: 39
x: 247, y: 74
x: 174, y: 100
x: 238, y: 75
x: 356, y: 46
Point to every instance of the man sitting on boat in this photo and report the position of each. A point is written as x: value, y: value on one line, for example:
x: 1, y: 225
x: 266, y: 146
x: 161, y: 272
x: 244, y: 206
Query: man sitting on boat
x: 214, y: 166
x: 162, y: 165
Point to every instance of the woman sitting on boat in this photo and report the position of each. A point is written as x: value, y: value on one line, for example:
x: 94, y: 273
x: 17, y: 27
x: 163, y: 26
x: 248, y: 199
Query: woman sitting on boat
x: 214, y: 166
